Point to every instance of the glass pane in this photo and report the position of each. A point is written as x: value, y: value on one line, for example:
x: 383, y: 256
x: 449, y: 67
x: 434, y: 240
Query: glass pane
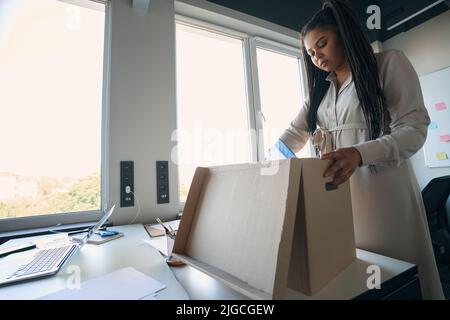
x: 211, y: 102
x: 51, y: 64
x: 281, y: 94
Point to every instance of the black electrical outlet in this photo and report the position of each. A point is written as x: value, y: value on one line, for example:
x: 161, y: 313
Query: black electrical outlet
x: 162, y: 182
x: 126, y: 183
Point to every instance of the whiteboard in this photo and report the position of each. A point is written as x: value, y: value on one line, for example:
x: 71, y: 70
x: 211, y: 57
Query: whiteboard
x: 436, y: 94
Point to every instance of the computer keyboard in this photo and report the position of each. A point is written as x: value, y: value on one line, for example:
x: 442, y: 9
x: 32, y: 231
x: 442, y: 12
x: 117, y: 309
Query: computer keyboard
x: 45, y: 260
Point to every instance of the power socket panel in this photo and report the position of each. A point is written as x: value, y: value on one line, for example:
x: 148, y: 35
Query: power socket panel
x: 126, y: 183
x: 162, y: 182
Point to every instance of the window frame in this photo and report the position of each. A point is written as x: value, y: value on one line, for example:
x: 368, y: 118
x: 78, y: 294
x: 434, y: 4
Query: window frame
x: 8, y: 225
x: 250, y: 43
x: 280, y: 48
x: 224, y: 31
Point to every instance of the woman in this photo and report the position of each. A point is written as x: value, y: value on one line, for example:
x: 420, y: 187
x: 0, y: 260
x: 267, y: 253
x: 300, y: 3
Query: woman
x: 369, y: 109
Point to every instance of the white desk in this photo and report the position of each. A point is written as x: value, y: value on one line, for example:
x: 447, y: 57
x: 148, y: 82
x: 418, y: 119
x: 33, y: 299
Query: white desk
x: 398, y: 281
x: 96, y: 260
x: 188, y: 283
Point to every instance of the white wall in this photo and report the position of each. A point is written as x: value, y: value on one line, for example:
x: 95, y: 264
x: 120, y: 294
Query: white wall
x: 218, y: 15
x: 142, y: 112
x: 428, y: 48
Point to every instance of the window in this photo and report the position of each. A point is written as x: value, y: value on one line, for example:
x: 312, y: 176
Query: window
x: 51, y: 74
x: 280, y: 89
x: 235, y: 96
x: 212, y: 107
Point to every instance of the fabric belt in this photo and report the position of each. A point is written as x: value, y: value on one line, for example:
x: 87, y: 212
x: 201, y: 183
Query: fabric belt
x: 323, y: 139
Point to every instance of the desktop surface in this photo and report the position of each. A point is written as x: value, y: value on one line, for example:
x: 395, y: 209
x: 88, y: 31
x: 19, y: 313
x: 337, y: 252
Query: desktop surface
x: 185, y: 282
x: 97, y: 260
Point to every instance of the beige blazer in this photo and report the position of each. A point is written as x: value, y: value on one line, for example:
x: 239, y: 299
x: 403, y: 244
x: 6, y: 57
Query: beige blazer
x: 388, y: 211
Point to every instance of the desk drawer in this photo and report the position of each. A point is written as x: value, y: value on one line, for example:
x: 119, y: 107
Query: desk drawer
x: 409, y: 291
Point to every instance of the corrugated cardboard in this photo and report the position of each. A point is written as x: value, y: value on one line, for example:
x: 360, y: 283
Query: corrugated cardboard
x: 262, y: 233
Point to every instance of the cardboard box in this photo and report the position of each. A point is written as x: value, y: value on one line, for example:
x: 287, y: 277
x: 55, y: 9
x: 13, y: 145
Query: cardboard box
x: 261, y: 230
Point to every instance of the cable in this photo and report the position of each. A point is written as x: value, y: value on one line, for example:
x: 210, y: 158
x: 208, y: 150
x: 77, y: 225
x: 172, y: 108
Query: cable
x: 56, y: 226
x: 139, y: 207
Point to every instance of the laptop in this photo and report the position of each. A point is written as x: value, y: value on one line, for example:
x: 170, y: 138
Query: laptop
x: 48, y: 260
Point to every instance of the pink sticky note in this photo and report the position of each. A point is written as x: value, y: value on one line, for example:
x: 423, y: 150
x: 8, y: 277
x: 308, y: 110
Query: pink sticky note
x: 445, y: 138
x: 440, y: 106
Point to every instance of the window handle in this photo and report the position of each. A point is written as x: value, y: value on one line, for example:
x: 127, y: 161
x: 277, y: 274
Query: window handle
x: 262, y: 115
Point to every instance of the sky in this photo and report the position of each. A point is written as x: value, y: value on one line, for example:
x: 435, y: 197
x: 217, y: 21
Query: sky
x: 51, y: 65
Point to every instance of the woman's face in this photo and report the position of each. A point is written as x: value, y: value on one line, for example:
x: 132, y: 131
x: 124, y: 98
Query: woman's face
x: 325, y: 49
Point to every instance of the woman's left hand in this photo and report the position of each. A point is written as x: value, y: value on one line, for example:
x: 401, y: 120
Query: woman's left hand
x: 346, y: 160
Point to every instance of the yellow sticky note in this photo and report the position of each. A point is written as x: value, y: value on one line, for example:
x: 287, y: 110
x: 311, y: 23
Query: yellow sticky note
x: 441, y: 156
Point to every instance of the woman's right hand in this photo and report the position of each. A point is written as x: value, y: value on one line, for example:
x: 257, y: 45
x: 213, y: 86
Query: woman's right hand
x: 346, y: 161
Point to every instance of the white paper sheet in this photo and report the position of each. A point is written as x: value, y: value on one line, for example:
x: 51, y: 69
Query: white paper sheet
x: 123, y: 284
x: 159, y: 243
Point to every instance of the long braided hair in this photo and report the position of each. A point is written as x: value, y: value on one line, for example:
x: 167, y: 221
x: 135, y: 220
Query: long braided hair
x: 361, y: 60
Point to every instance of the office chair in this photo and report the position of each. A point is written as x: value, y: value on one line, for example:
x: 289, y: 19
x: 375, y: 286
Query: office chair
x: 435, y: 196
